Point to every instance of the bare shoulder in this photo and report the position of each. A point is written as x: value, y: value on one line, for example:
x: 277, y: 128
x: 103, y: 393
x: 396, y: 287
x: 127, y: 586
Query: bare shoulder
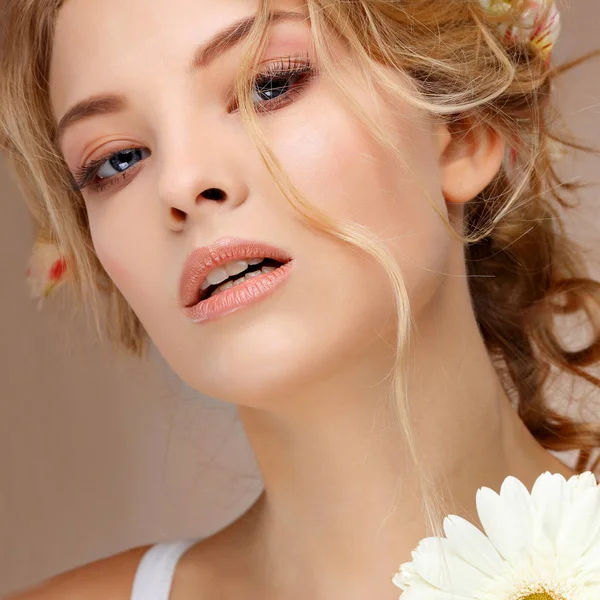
x: 108, y: 578
x: 204, y: 570
x: 222, y: 565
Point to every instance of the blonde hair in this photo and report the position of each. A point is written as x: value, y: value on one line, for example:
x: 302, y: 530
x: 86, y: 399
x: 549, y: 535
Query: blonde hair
x: 523, y: 269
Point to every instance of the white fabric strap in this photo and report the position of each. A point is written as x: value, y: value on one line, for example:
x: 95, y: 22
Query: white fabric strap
x: 154, y: 576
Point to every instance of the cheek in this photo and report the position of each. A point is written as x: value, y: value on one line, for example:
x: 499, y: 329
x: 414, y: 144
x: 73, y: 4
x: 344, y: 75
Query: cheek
x: 121, y: 272
x: 108, y: 244
x: 120, y: 236
x: 337, y: 165
x: 118, y: 271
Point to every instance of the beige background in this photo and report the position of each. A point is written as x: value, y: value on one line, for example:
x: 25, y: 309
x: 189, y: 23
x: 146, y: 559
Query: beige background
x: 99, y: 453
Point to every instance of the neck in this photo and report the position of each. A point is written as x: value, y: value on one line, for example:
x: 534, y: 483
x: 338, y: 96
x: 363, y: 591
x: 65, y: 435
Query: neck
x: 342, y: 500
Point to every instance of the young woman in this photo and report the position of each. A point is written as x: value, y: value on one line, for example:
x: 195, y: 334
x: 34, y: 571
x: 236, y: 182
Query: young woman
x: 382, y: 171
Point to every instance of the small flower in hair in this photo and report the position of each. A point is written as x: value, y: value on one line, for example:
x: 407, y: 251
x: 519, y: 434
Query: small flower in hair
x: 539, y: 22
x: 539, y: 546
x: 46, y: 271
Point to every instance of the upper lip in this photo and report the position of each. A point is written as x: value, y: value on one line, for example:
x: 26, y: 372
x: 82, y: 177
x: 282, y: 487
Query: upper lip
x: 203, y: 260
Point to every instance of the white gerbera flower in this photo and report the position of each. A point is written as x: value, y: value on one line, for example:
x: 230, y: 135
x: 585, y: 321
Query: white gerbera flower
x: 539, y: 546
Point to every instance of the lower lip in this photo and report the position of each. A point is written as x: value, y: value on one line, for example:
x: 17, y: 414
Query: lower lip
x: 241, y: 295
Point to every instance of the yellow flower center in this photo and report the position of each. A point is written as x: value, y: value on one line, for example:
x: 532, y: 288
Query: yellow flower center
x: 538, y: 596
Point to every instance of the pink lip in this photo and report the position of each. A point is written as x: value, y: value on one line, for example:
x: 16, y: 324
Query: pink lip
x: 203, y: 260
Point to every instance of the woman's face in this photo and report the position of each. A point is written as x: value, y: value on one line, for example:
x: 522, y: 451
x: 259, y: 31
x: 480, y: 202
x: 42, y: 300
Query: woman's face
x: 149, y: 214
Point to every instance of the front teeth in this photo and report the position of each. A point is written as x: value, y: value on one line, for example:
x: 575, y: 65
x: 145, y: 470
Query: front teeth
x: 229, y: 284
x: 234, y: 267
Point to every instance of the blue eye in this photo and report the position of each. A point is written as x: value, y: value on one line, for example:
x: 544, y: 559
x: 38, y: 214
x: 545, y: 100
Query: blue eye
x: 108, y: 169
x: 119, y: 162
x: 279, y: 82
x: 273, y: 87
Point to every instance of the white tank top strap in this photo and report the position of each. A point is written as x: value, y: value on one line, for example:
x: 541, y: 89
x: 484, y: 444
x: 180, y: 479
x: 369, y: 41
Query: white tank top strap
x: 154, y: 576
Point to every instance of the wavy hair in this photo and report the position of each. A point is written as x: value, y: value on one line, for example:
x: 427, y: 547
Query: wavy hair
x: 523, y: 269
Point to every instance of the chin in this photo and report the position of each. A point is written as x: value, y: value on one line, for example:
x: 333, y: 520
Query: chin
x: 260, y: 363
x: 255, y: 364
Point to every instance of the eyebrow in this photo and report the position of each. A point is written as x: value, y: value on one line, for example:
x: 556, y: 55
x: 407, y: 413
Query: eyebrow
x: 217, y: 45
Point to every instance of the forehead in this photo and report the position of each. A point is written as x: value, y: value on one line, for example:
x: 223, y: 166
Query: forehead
x: 98, y: 45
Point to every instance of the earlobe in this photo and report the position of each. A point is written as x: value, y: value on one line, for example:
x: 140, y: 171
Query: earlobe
x: 470, y: 158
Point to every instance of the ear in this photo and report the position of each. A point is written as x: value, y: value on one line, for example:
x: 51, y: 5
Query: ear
x: 470, y: 156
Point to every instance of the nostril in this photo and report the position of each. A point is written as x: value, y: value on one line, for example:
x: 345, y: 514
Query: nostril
x: 178, y: 214
x: 214, y: 194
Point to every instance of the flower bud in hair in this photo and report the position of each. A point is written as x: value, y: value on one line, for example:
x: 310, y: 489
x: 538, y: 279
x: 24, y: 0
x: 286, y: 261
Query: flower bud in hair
x: 46, y: 271
x: 538, y: 23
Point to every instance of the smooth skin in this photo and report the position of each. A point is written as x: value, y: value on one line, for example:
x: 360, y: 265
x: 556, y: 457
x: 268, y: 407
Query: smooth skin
x: 307, y: 366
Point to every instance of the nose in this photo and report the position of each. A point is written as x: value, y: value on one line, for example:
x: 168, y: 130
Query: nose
x: 195, y: 175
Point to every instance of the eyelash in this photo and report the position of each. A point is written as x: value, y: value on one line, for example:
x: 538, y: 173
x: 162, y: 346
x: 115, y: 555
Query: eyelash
x: 286, y: 70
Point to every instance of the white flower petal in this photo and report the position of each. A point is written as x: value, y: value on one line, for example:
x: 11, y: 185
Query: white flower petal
x: 490, y: 514
x: 406, y: 576
x: 412, y: 584
x: 427, y: 593
x: 589, y: 570
x: 437, y: 564
x: 579, y: 526
x: 548, y: 481
x: 590, y: 562
x: 516, y: 501
x: 583, y: 481
x: 508, y: 519
x: 421, y: 590
x: 551, y: 499
x: 468, y: 542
